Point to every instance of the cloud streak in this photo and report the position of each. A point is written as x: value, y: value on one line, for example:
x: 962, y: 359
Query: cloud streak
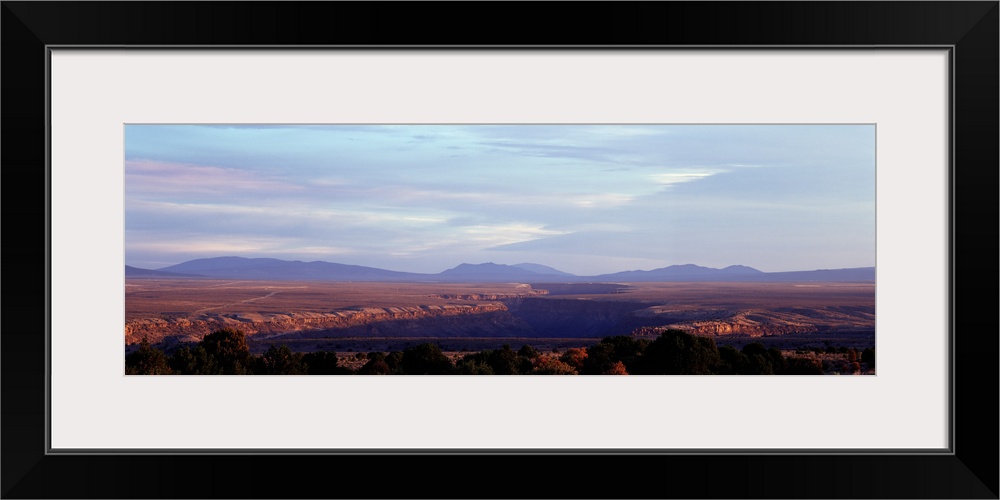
x: 576, y: 197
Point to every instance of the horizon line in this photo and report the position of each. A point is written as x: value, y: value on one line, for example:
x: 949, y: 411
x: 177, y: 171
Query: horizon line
x: 507, y: 265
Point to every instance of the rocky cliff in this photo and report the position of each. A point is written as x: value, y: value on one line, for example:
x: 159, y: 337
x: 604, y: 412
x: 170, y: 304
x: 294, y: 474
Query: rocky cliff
x: 759, y: 322
x: 570, y: 318
x: 303, y: 324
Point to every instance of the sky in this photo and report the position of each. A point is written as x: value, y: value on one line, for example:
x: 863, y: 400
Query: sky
x: 585, y: 199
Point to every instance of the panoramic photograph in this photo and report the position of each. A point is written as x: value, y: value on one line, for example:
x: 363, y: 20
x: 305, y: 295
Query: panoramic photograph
x: 541, y: 249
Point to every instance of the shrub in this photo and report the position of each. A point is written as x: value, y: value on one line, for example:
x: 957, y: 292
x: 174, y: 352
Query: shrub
x: 760, y: 360
x: 281, y: 360
x: 600, y: 358
x: 552, y: 366
x: 732, y: 361
x: 617, y: 369
x: 802, y: 366
x: 230, y: 351
x: 504, y: 361
x: 425, y: 359
x: 473, y: 365
x: 395, y: 361
x: 574, y: 356
x: 323, y: 363
x: 676, y: 352
x: 527, y: 351
x: 868, y: 358
x: 147, y: 361
x: 194, y: 361
x: 376, y: 366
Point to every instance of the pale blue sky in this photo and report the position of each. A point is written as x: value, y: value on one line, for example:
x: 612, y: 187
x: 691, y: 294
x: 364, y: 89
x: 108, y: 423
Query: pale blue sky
x: 586, y: 199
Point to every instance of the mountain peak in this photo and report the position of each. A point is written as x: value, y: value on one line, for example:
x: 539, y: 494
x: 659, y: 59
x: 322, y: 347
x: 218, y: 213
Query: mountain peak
x: 488, y: 267
x: 541, y: 269
x: 741, y: 269
x: 233, y: 267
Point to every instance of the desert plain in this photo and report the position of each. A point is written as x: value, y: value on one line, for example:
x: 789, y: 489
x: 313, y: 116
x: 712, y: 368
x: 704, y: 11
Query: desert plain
x: 349, y: 317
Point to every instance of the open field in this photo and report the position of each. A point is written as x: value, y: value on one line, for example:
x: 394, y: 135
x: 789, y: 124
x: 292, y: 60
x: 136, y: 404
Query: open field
x: 190, y: 298
x: 363, y: 317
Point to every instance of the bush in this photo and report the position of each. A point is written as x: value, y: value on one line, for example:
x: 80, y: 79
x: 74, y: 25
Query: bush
x: 527, y: 351
x: 546, y: 365
x: 425, y: 359
x: 395, y: 361
x: 504, y: 361
x: 802, y: 366
x: 603, y: 357
x: 323, y: 363
x: 376, y: 366
x: 762, y: 361
x: 616, y: 369
x: 230, y: 351
x: 574, y: 356
x: 194, y: 361
x: 147, y: 361
x: 472, y: 364
x: 868, y: 358
x: 676, y: 352
x: 282, y: 361
x: 732, y: 362
x: 600, y: 358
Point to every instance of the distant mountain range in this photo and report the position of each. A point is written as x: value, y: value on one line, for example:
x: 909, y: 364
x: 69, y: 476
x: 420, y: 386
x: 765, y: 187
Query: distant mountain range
x: 276, y: 269
x: 136, y: 272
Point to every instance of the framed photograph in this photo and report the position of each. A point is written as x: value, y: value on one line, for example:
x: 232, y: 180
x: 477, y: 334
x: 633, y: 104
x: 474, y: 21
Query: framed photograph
x: 811, y: 166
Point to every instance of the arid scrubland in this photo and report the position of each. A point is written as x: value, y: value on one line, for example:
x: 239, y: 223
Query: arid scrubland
x: 813, y: 326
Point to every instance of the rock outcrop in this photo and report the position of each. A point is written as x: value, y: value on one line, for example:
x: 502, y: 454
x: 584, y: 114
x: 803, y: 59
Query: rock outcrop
x: 759, y: 323
x: 304, y: 323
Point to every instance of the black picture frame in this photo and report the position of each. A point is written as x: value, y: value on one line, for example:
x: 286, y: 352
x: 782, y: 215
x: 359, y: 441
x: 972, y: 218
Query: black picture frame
x: 969, y: 28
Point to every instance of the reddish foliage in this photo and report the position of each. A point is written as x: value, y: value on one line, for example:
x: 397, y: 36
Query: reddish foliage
x: 617, y: 369
x: 574, y: 356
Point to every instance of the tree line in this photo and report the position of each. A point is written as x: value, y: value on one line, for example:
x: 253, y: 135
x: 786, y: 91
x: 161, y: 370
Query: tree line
x: 674, y: 352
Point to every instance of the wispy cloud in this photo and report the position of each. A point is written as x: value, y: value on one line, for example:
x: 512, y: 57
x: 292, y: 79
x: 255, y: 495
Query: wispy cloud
x: 670, y: 178
x: 375, y: 194
x: 220, y: 245
x: 166, y: 178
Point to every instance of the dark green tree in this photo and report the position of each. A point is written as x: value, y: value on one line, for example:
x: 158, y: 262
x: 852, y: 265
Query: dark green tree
x: 280, y: 360
x: 147, y: 360
x: 504, y: 361
x: 732, y: 361
x: 395, y: 361
x: 868, y: 358
x: 600, y: 358
x: 526, y: 357
x: 527, y: 351
x: 777, y: 359
x: 323, y: 363
x: 425, y: 359
x: 802, y: 366
x: 603, y: 357
x: 575, y: 357
x: 376, y: 366
x: 473, y: 364
x: 194, y: 361
x: 759, y: 359
x: 230, y: 350
x: 627, y: 349
x: 676, y: 352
